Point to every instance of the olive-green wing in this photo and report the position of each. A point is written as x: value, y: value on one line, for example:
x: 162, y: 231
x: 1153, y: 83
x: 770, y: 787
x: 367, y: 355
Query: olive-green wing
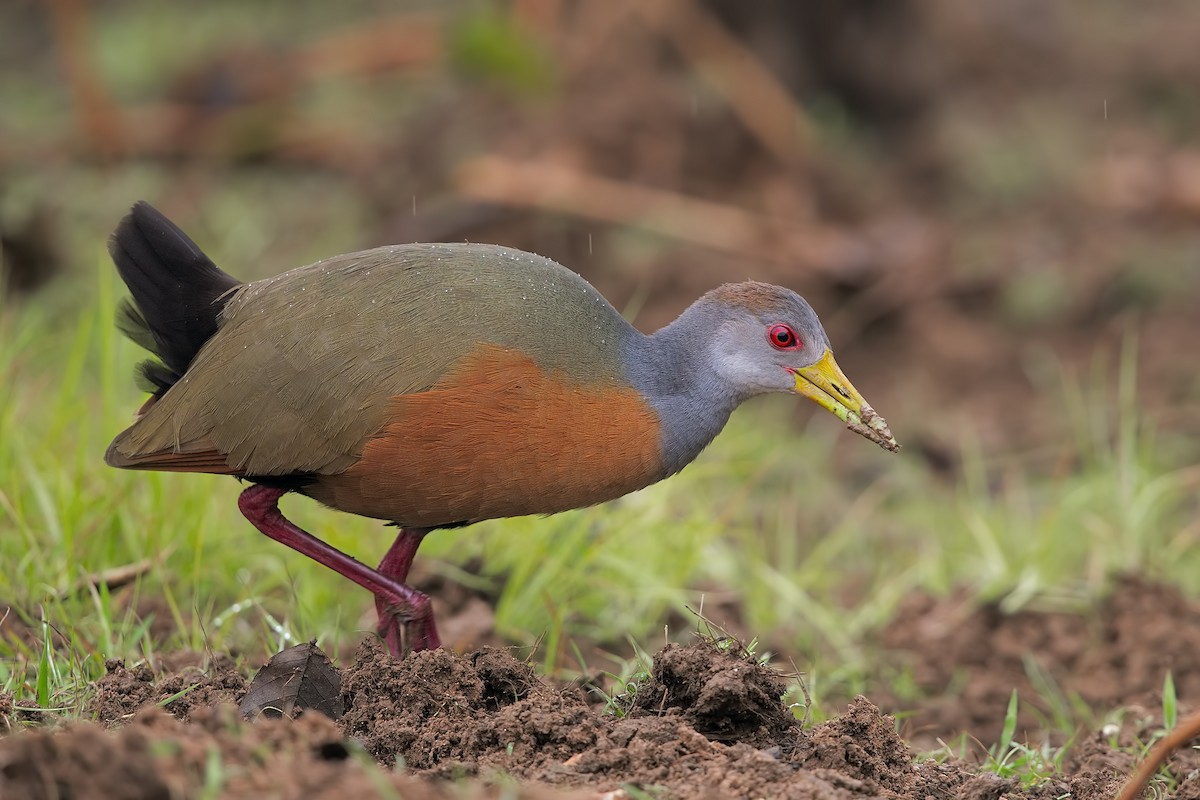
x: 299, y: 375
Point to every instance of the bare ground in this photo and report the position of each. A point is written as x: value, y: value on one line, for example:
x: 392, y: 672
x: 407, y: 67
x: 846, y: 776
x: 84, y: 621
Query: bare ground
x: 709, y: 723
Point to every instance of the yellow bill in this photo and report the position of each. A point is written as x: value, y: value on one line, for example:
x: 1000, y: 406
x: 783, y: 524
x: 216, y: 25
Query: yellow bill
x: 825, y: 385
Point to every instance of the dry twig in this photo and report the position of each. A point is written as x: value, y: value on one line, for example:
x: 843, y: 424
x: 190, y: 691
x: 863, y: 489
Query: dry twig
x: 721, y: 227
x: 111, y: 578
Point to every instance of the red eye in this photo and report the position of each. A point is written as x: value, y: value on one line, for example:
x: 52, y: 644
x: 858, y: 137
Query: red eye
x: 782, y: 337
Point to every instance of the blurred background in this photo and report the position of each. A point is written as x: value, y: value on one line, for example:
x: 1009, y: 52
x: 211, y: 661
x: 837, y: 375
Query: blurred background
x: 994, y: 207
x: 964, y: 193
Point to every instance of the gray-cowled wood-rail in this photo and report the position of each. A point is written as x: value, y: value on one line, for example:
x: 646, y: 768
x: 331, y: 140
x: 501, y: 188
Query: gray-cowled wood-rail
x: 436, y: 385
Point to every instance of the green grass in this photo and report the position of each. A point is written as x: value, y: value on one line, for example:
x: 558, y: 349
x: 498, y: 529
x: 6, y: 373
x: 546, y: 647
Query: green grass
x: 1030, y: 766
x: 777, y: 520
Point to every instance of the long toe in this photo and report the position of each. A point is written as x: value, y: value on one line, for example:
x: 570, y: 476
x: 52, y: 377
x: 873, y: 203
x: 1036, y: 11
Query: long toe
x: 409, y: 627
x: 392, y: 632
x: 423, y: 634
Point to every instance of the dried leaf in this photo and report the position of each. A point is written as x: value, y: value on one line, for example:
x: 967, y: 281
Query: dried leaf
x: 296, y: 678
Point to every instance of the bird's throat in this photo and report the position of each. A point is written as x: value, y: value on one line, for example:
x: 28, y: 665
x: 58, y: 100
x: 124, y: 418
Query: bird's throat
x: 692, y: 403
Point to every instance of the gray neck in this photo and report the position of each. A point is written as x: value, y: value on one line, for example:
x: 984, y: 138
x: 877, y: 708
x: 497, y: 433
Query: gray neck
x: 673, y: 371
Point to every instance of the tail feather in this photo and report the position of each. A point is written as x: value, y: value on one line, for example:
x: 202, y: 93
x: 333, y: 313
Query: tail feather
x: 178, y: 292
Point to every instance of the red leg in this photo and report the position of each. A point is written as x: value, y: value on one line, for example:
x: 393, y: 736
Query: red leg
x: 260, y: 505
x: 395, y: 565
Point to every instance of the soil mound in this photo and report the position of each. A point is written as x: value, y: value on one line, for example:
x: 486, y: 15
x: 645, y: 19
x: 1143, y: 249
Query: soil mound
x: 721, y: 694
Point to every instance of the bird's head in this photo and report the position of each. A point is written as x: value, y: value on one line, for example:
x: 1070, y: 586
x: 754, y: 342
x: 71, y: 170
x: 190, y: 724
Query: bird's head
x: 770, y: 340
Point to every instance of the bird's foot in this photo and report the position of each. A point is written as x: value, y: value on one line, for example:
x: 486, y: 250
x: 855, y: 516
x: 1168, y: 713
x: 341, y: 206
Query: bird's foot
x: 403, y: 634
x: 406, y: 627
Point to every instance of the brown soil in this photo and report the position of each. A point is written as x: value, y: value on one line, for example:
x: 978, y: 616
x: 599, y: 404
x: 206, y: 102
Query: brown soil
x: 158, y: 756
x: 968, y: 660
x: 123, y: 691
x: 709, y: 722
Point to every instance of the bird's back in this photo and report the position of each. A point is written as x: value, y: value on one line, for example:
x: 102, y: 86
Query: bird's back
x: 308, y: 370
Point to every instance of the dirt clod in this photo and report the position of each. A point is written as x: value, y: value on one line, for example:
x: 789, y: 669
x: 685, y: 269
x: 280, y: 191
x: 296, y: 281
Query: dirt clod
x: 863, y: 744
x: 124, y: 690
x: 720, y: 693
x: 439, y: 711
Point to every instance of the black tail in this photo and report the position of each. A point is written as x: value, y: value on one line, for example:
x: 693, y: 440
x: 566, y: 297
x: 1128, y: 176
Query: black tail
x: 177, y: 292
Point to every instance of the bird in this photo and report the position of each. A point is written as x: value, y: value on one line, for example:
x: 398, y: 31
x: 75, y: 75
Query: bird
x: 433, y: 386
